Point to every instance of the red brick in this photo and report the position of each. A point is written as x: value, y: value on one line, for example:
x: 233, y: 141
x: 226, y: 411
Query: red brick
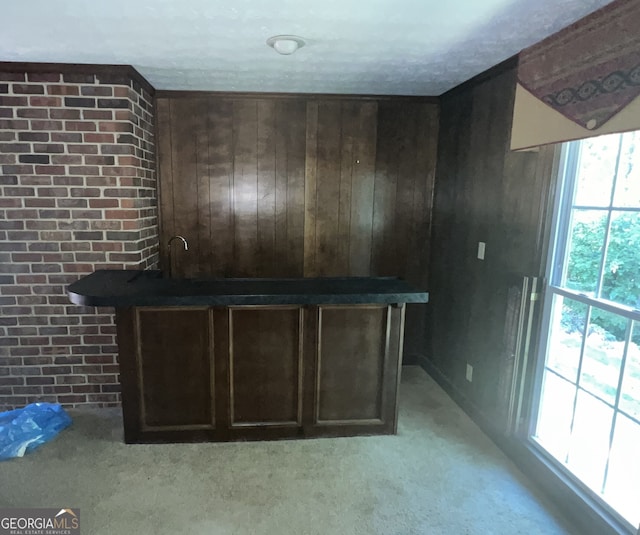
x: 102, y: 379
x: 84, y: 170
x: 12, y: 76
x: 46, y: 125
x: 64, y: 113
x: 14, y: 124
x: 40, y: 203
x: 121, y: 214
x: 99, y: 160
x: 50, y: 169
x: 96, y: 91
x: 46, y: 102
x: 115, y: 127
x: 99, y: 138
x: 84, y: 388
x: 53, y: 192
x: 13, y: 101
x: 15, y: 147
x: 40, y: 381
x: 103, y: 203
x: 75, y: 398
x: 83, y: 149
x: 81, y: 126
x: 66, y: 159
x: 63, y: 90
x: 97, y: 114
x: 28, y: 89
x: 43, y: 77
x: 129, y: 160
x: 66, y: 137
x: 33, y: 113
x: 56, y: 370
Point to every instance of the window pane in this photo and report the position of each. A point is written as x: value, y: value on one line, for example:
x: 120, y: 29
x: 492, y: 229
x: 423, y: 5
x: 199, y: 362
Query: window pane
x: 567, y: 327
x: 585, y: 249
x: 628, y: 182
x: 603, y: 354
x: 596, y: 170
x: 622, y: 490
x: 554, y: 418
x: 630, y: 393
x: 589, y: 444
x: 621, y: 281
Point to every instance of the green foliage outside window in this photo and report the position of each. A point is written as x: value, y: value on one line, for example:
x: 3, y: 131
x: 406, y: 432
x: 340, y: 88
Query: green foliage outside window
x: 621, y: 273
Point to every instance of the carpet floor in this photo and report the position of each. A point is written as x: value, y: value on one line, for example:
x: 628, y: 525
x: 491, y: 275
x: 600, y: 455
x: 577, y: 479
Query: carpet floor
x: 439, y: 475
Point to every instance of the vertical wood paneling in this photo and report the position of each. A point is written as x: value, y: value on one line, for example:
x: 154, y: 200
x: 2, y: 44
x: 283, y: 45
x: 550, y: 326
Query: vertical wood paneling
x: 292, y: 127
x: 328, y: 163
x: 311, y: 189
x: 202, y: 250
x: 390, y: 132
x: 483, y: 193
x: 348, y: 151
x: 165, y: 155
x: 362, y: 188
x: 267, y: 159
x: 220, y: 129
x: 298, y: 187
x: 184, y: 189
x: 245, y: 187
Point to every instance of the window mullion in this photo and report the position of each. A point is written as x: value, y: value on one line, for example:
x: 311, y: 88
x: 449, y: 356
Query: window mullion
x: 607, y: 232
x: 627, y: 341
x: 567, y: 197
x: 578, y: 374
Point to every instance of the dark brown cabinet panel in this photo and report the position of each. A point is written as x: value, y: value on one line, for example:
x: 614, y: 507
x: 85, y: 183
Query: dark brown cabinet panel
x: 167, y: 369
x: 259, y: 372
x: 265, y: 366
x: 352, y: 351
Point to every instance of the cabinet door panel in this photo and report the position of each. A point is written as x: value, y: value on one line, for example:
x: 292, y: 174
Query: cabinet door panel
x: 353, y: 347
x: 175, y: 367
x: 265, y: 366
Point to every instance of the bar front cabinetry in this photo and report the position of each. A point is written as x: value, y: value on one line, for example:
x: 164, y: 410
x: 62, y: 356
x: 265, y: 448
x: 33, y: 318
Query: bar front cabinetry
x: 259, y: 372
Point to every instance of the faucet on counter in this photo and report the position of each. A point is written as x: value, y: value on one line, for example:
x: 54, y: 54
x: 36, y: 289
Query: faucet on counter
x: 186, y: 248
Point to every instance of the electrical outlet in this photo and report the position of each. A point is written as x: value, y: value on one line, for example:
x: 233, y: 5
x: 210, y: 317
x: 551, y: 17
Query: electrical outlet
x: 481, y: 247
x: 469, y: 374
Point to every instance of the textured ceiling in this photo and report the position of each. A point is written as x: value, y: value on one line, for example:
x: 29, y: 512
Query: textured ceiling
x: 394, y: 47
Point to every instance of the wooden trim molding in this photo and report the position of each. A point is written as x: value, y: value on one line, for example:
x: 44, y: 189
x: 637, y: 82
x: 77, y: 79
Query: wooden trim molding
x: 79, y: 68
x: 492, y: 72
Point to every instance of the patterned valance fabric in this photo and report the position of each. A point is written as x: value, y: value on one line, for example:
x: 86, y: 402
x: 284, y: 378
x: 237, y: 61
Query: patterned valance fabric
x: 590, y: 70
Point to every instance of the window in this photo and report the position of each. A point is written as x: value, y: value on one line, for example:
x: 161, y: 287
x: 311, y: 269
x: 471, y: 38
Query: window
x: 588, y: 416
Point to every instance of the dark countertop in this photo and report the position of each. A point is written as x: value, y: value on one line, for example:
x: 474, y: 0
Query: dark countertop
x: 116, y: 288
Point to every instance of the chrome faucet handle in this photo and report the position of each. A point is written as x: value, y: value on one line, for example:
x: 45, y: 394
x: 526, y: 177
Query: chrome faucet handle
x: 186, y: 248
x: 181, y: 238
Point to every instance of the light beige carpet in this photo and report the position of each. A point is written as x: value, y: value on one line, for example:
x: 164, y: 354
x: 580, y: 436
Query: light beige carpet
x: 439, y: 475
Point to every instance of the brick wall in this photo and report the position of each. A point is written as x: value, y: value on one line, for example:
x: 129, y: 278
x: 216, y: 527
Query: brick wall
x: 78, y: 194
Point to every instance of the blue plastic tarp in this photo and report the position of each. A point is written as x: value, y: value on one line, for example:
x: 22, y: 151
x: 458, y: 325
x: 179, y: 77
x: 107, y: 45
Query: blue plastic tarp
x: 23, y: 430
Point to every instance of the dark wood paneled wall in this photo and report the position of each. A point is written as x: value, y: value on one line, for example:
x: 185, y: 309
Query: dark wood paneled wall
x: 299, y: 187
x: 484, y: 193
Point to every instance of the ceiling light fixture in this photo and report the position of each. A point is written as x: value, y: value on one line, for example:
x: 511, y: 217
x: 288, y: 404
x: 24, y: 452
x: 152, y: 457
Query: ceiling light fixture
x: 285, y: 44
